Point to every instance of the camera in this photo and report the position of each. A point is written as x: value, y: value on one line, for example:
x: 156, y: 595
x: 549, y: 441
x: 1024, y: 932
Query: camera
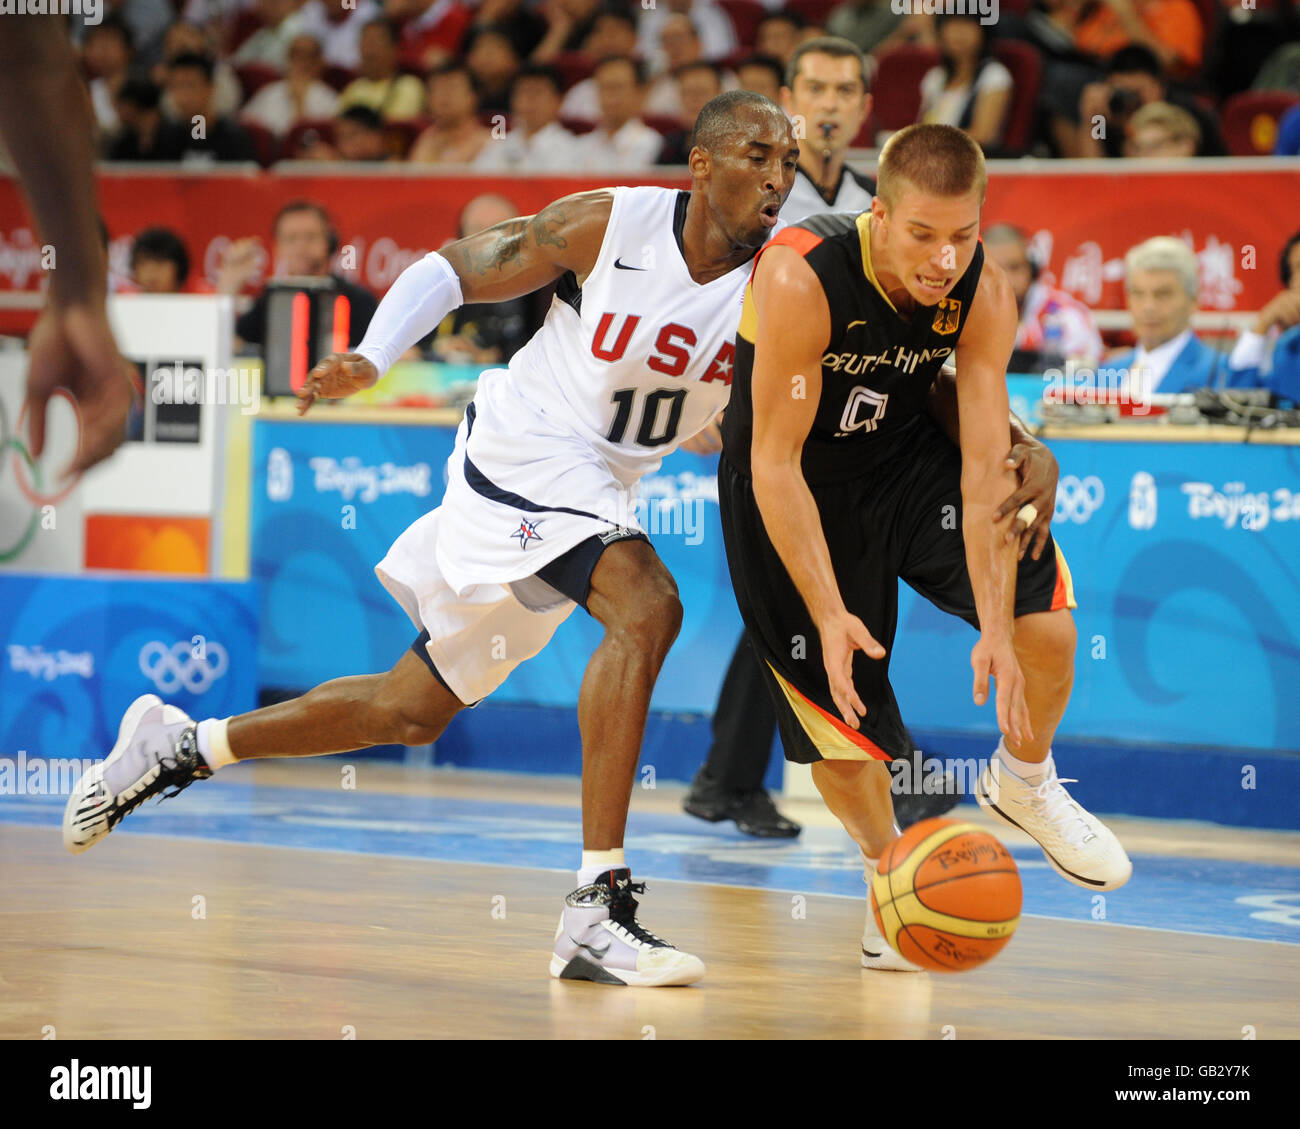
x: 1123, y: 102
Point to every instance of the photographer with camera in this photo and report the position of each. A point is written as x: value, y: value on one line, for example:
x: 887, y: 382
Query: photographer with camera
x: 1134, y: 78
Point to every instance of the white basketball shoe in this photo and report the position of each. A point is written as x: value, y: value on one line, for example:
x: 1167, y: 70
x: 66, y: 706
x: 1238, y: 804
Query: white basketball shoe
x: 157, y: 748
x: 600, y: 939
x: 1080, y: 848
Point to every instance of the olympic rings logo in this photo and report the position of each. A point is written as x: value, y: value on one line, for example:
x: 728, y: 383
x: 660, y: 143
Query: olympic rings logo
x: 178, y: 668
x: 1078, y: 499
x: 31, y: 488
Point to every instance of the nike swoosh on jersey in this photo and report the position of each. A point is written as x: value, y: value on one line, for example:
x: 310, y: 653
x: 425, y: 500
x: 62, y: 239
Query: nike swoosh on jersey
x: 618, y: 265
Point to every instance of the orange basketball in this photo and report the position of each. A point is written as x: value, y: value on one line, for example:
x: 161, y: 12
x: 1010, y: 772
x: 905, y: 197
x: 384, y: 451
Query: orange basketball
x: 946, y: 895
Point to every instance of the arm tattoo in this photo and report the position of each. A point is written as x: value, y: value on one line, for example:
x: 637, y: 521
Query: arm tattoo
x: 502, y: 250
x: 546, y: 225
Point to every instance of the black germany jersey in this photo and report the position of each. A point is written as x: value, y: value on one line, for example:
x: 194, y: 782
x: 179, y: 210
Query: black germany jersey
x: 879, y: 365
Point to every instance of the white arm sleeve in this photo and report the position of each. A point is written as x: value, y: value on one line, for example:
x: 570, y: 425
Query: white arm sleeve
x: 422, y: 295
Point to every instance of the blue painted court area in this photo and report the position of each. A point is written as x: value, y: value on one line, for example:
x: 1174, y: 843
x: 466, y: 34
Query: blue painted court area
x: 1224, y: 899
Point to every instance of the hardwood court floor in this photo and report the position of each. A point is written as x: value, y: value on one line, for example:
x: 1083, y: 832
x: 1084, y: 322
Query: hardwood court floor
x: 154, y: 936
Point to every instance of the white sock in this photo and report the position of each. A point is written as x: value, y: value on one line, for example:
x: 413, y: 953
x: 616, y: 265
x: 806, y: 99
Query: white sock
x: 868, y: 868
x: 1029, y: 771
x: 213, y: 745
x: 595, y: 863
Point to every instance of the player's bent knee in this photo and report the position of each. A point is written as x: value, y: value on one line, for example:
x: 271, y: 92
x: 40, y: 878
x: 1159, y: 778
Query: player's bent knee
x: 415, y: 731
x: 1047, y: 639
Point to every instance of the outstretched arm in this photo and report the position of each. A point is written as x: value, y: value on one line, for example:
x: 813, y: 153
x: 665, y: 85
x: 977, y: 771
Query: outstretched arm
x: 506, y: 261
x: 786, y: 389
x: 982, y: 353
x: 45, y: 121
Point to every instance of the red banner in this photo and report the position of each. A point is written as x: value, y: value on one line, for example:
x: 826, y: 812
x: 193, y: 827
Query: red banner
x: 1235, y: 218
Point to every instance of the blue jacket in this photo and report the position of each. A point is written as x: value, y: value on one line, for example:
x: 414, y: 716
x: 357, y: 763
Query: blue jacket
x: 1284, y: 380
x: 1197, y: 366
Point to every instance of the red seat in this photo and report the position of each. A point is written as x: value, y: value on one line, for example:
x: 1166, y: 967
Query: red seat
x: 1026, y: 67
x: 1249, y: 120
x: 814, y: 11
x: 253, y: 76
x: 896, y: 90
x: 400, y: 136
x: 664, y: 123
x: 744, y: 16
x: 265, y: 142
x: 573, y: 66
x: 304, y: 133
x: 577, y: 126
x: 245, y: 23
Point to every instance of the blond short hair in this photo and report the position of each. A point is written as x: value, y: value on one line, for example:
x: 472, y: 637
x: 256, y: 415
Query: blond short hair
x: 1174, y: 120
x: 940, y: 160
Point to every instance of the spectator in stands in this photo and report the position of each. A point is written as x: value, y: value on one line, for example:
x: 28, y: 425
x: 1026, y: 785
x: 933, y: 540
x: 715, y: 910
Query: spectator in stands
x: 184, y: 38
x: 1252, y: 362
x: 696, y: 84
x: 337, y: 26
x: 493, y: 61
x: 269, y: 45
x: 145, y: 21
x: 300, y: 94
x: 159, y: 262
x: 524, y: 26
x: 680, y: 44
x: 970, y: 88
x: 455, y: 136
x: 1288, y: 134
x: 537, y: 142
x: 713, y: 26
x: 106, y: 58
x: 1133, y: 79
x: 778, y: 34
x: 140, y: 117
x: 621, y: 140
x: 761, y: 74
x: 396, y: 97
x: 1161, y: 130
x: 1055, y: 327
x: 826, y: 90
x: 199, y: 134
x: 303, y: 237
x: 871, y: 25
x: 568, y: 24
x: 484, y: 333
x: 431, y: 30
x: 1170, y: 29
x: 1161, y: 285
x: 359, y: 135
x: 613, y: 32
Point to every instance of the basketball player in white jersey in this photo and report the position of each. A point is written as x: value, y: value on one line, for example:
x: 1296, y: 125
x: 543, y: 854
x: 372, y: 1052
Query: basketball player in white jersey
x: 635, y: 356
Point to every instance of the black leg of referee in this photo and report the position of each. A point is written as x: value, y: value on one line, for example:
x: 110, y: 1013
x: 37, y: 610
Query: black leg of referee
x: 729, y: 785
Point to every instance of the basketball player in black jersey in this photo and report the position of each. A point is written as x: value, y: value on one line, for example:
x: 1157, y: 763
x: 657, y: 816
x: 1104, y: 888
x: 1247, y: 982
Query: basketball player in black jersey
x: 834, y: 483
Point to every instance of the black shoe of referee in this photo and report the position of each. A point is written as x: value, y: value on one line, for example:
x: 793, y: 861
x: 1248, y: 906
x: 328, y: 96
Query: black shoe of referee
x: 753, y: 810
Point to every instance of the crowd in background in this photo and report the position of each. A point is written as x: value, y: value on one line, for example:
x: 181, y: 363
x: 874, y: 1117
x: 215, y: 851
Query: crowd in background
x: 597, y: 85
x: 586, y: 85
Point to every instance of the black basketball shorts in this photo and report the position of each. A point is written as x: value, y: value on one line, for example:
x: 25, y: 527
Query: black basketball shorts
x: 900, y: 520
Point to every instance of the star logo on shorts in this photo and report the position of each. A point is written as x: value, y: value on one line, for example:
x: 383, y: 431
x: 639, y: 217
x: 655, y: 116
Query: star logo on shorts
x: 527, y: 532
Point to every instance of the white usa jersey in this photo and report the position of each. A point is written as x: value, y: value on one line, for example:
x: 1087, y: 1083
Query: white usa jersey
x: 640, y: 356
x: 552, y: 448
